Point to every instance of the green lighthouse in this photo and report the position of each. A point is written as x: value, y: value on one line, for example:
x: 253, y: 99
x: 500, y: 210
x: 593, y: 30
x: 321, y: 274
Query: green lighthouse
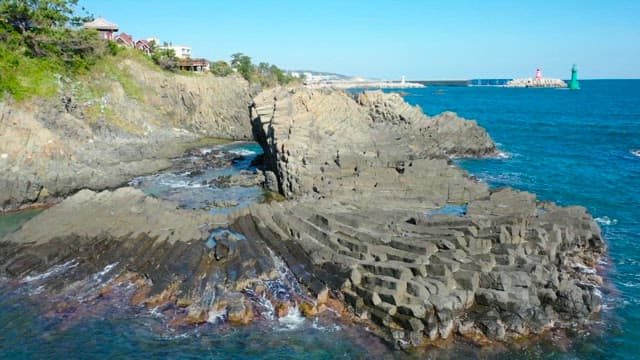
x: 574, y: 84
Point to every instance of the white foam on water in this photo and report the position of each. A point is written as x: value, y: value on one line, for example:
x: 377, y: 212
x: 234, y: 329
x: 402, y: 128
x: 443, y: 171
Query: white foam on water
x: 105, y: 271
x: 328, y: 328
x: 635, y: 152
x: 584, y: 269
x: 605, y: 220
x: 266, y: 308
x: 55, y: 270
x: 180, y: 184
x: 503, y: 155
x: 242, y: 152
x: 155, y: 312
x: 37, y: 290
x: 217, y: 317
x: 292, y: 320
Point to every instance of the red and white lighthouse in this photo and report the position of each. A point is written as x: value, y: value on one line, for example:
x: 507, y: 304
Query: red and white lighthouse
x: 538, y: 73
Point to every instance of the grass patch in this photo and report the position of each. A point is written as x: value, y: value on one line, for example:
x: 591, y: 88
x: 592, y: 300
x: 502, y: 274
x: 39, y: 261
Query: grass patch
x: 24, y: 77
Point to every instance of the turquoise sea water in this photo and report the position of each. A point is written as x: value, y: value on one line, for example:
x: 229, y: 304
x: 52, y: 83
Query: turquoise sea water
x: 568, y: 147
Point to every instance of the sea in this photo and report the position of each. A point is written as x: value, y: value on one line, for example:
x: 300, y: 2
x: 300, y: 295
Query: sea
x: 570, y: 147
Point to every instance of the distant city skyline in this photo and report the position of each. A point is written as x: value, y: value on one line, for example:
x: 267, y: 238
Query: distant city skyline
x: 388, y: 39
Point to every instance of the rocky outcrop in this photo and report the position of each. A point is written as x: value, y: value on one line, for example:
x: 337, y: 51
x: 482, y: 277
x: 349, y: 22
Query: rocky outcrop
x: 378, y: 216
x: 323, y: 141
x: 81, y: 140
x: 384, y: 220
x: 190, y: 264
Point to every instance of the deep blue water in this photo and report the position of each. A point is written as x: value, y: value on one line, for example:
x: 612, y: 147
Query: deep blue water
x: 568, y: 147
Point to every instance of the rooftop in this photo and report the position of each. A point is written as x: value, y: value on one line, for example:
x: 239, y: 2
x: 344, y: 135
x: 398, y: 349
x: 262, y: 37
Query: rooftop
x: 101, y: 24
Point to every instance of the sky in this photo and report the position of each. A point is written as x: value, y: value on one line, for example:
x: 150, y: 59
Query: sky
x: 386, y: 39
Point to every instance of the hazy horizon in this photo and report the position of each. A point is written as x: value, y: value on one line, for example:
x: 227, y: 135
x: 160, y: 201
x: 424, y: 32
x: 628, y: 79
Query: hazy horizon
x: 421, y: 40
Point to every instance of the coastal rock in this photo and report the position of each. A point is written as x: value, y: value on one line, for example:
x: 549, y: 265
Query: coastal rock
x: 101, y: 143
x: 381, y: 216
x: 93, y: 242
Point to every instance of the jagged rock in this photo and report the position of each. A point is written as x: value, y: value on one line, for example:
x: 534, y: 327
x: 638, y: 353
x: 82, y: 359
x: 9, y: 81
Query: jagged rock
x: 369, y: 177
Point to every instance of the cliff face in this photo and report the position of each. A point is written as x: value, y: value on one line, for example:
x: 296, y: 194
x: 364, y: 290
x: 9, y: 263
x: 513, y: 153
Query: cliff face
x: 104, y: 129
x: 323, y: 141
x: 386, y: 222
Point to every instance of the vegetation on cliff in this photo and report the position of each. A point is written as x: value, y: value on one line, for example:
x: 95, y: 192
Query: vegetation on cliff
x: 265, y: 74
x: 38, y: 45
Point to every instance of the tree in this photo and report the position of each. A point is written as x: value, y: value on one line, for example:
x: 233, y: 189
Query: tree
x: 165, y: 57
x: 39, y: 15
x: 221, y: 68
x: 242, y: 64
x: 41, y: 25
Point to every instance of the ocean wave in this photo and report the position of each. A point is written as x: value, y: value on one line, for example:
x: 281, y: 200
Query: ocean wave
x: 292, y: 320
x: 605, y: 220
x: 502, y: 155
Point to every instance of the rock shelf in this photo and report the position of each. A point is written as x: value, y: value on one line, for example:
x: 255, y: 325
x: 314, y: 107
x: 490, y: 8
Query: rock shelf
x: 367, y: 172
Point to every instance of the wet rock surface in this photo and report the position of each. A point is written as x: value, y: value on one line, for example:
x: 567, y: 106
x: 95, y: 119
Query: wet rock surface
x: 371, y: 178
x: 184, y: 262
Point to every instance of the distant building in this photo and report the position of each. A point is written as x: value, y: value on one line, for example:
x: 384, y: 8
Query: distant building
x: 104, y: 27
x: 195, y: 65
x: 144, y: 46
x: 182, y: 52
x: 124, y: 39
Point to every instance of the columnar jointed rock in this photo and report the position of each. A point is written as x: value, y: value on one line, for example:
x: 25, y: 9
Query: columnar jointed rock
x: 369, y: 178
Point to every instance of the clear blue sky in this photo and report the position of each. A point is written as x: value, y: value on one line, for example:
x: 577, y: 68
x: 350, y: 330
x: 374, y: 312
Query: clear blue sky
x: 387, y: 39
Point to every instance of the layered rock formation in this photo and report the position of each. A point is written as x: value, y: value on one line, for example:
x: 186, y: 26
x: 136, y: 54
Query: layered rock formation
x: 374, y: 185
x: 95, y: 246
x: 81, y: 140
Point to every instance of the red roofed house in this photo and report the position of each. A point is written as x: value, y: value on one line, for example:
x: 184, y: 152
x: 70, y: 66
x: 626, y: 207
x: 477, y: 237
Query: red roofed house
x: 143, y: 45
x: 195, y: 65
x: 104, y: 27
x: 124, y: 39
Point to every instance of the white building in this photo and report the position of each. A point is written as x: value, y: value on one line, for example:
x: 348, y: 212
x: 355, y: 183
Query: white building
x: 182, y: 52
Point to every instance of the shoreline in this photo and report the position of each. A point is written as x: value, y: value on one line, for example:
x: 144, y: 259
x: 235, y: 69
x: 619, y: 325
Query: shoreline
x: 421, y: 278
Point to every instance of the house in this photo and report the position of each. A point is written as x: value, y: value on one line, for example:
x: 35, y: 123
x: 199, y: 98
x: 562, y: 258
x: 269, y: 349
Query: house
x: 125, y: 39
x: 144, y: 46
x: 104, y: 27
x: 195, y: 65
